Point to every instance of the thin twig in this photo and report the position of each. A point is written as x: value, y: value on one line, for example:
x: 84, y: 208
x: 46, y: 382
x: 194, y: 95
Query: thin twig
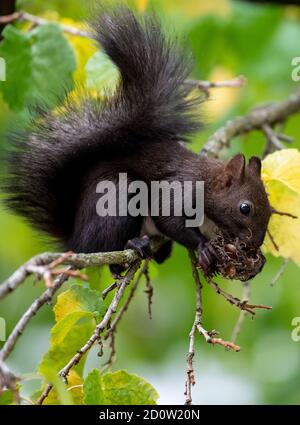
x: 44, y: 394
x: 205, y: 86
x: 111, y: 332
x: 36, y: 20
x: 211, y: 339
x: 238, y: 326
x: 273, y: 141
x: 48, y: 272
x: 110, y: 288
x: 149, y: 290
x: 124, y: 308
x: 190, y: 374
x: 112, y: 348
x: 242, y: 305
x: 280, y: 272
x: 46, y: 297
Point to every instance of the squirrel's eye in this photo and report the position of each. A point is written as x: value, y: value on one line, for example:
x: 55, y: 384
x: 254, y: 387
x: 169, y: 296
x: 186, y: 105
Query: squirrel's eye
x: 245, y: 208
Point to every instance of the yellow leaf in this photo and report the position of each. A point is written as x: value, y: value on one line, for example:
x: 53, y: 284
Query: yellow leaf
x: 77, y: 299
x: 283, y: 166
x: 66, y: 304
x: 281, y: 176
x: 84, y: 48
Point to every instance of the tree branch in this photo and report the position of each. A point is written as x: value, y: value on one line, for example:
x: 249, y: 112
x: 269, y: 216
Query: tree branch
x: 190, y: 374
x: 239, y: 81
x: 78, y: 261
x: 259, y: 117
x: 7, y: 378
x: 197, y: 325
x: 205, y: 86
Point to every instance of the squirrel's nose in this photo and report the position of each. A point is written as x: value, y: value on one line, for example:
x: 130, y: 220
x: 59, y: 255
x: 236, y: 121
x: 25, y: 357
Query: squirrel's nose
x: 259, y: 237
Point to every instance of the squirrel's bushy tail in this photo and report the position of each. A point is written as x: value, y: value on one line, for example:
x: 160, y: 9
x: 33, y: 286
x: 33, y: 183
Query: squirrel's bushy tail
x: 150, y: 105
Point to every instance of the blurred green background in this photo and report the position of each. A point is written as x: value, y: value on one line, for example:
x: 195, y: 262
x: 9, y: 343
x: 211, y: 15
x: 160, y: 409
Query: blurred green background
x: 227, y: 38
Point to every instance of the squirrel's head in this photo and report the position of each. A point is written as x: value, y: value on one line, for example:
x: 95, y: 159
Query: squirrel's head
x: 240, y: 203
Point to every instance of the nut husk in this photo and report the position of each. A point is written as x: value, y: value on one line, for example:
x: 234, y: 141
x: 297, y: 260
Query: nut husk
x: 233, y: 259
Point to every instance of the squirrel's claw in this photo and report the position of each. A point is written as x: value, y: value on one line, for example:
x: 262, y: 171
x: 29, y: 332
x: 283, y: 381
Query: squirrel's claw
x: 206, y: 258
x: 141, y: 245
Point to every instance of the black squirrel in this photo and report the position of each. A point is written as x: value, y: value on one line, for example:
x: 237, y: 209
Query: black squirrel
x: 55, y: 167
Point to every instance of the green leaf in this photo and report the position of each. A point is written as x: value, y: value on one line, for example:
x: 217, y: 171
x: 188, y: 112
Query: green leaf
x: 102, y: 74
x: 93, y: 388
x: 15, y: 49
x: 53, y: 63
x: 39, y: 66
x: 124, y: 388
x: 78, y: 298
x: 118, y: 388
x: 6, y: 397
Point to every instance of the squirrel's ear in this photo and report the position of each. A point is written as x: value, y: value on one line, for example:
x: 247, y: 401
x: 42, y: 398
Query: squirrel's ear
x: 234, y: 171
x: 235, y: 167
x: 254, y: 165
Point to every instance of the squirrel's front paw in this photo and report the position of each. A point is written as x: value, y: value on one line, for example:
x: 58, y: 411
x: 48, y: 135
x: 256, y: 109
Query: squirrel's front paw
x: 141, y: 245
x: 206, y: 257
